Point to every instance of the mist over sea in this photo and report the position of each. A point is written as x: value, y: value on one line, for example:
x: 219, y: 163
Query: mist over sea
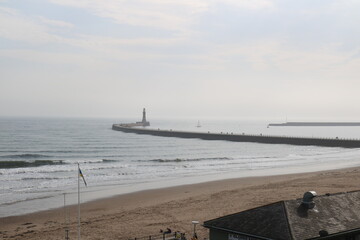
x: 38, y: 157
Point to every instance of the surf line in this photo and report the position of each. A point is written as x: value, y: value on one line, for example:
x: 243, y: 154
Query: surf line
x: 268, y: 139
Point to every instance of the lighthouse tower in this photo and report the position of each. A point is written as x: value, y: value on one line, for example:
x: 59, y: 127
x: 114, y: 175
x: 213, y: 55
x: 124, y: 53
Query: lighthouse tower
x: 144, y: 116
x: 144, y: 123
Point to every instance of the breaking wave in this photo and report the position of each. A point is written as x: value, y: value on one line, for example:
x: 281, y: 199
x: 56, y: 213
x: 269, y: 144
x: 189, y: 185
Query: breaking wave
x: 40, y: 178
x: 189, y: 159
x: 26, y: 164
x: 108, y: 160
x: 26, y: 155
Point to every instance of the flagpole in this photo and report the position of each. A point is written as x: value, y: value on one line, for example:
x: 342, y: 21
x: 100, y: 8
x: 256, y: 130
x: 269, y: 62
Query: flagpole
x: 65, y: 213
x: 78, y: 172
x: 66, y: 219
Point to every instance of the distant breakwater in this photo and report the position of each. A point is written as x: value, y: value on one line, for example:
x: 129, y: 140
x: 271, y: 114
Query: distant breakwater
x: 304, y: 141
x: 315, y: 124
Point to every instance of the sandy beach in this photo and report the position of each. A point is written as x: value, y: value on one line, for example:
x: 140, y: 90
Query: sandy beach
x: 144, y: 213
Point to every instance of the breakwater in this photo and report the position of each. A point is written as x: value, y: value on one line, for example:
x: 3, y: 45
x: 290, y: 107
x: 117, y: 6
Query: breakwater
x: 316, y: 124
x: 324, y: 142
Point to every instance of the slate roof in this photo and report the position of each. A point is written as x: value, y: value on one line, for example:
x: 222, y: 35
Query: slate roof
x: 267, y: 221
x: 333, y: 213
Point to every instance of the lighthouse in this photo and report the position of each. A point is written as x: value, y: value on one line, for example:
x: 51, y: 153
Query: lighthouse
x: 144, y: 116
x: 144, y: 123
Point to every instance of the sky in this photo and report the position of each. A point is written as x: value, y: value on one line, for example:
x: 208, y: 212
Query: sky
x: 242, y: 59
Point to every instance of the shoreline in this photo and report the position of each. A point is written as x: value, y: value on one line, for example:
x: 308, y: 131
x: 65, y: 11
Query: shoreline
x: 94, y: 193
x: 145, y: 212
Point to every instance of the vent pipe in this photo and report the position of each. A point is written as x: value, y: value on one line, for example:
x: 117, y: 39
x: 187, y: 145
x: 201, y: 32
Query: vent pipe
x: 323, y: 233
x: 307, y: 200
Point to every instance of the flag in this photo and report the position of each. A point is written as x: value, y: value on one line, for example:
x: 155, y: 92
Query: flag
x: 82, y: 176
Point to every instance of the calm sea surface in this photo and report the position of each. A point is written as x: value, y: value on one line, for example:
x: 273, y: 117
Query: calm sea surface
x: 38, y: 158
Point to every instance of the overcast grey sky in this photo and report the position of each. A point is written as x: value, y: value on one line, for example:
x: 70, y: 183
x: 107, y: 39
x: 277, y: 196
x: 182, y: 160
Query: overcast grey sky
x: 267, y: 59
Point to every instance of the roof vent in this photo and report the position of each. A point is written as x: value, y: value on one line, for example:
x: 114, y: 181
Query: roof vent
x: 307, y: 200
x: 323, y: 233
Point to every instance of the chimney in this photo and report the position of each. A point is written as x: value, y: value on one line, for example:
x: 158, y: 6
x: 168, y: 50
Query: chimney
x: 307, y: 200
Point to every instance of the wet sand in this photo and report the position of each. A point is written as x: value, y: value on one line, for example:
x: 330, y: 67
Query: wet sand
x: 145, y: 213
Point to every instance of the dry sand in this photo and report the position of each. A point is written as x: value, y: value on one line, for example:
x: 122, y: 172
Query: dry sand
x: 145, y: 213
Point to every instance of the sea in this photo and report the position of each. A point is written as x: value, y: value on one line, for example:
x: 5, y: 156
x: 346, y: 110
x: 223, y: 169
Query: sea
x: 39, y: 158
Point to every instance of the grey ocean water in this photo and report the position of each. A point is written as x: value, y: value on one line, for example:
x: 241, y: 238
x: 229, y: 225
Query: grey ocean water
x: 38, y: 158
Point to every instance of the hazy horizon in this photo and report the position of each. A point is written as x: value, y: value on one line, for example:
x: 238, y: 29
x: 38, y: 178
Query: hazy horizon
x: 230, y: 59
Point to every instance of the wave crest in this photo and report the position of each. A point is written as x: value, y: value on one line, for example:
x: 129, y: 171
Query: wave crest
x: 189, y: 159
x: 25, y: 155
x: 26, y: 164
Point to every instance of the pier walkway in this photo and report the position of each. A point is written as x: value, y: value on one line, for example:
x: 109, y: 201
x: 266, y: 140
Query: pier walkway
x: 324, y: 142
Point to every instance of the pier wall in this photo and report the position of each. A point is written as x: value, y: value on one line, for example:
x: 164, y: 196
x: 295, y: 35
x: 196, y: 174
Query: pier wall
x: 315, y: 124
x: 325, y: 142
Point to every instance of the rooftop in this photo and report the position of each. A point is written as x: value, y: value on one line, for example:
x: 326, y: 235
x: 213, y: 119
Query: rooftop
x: 292, y: 219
